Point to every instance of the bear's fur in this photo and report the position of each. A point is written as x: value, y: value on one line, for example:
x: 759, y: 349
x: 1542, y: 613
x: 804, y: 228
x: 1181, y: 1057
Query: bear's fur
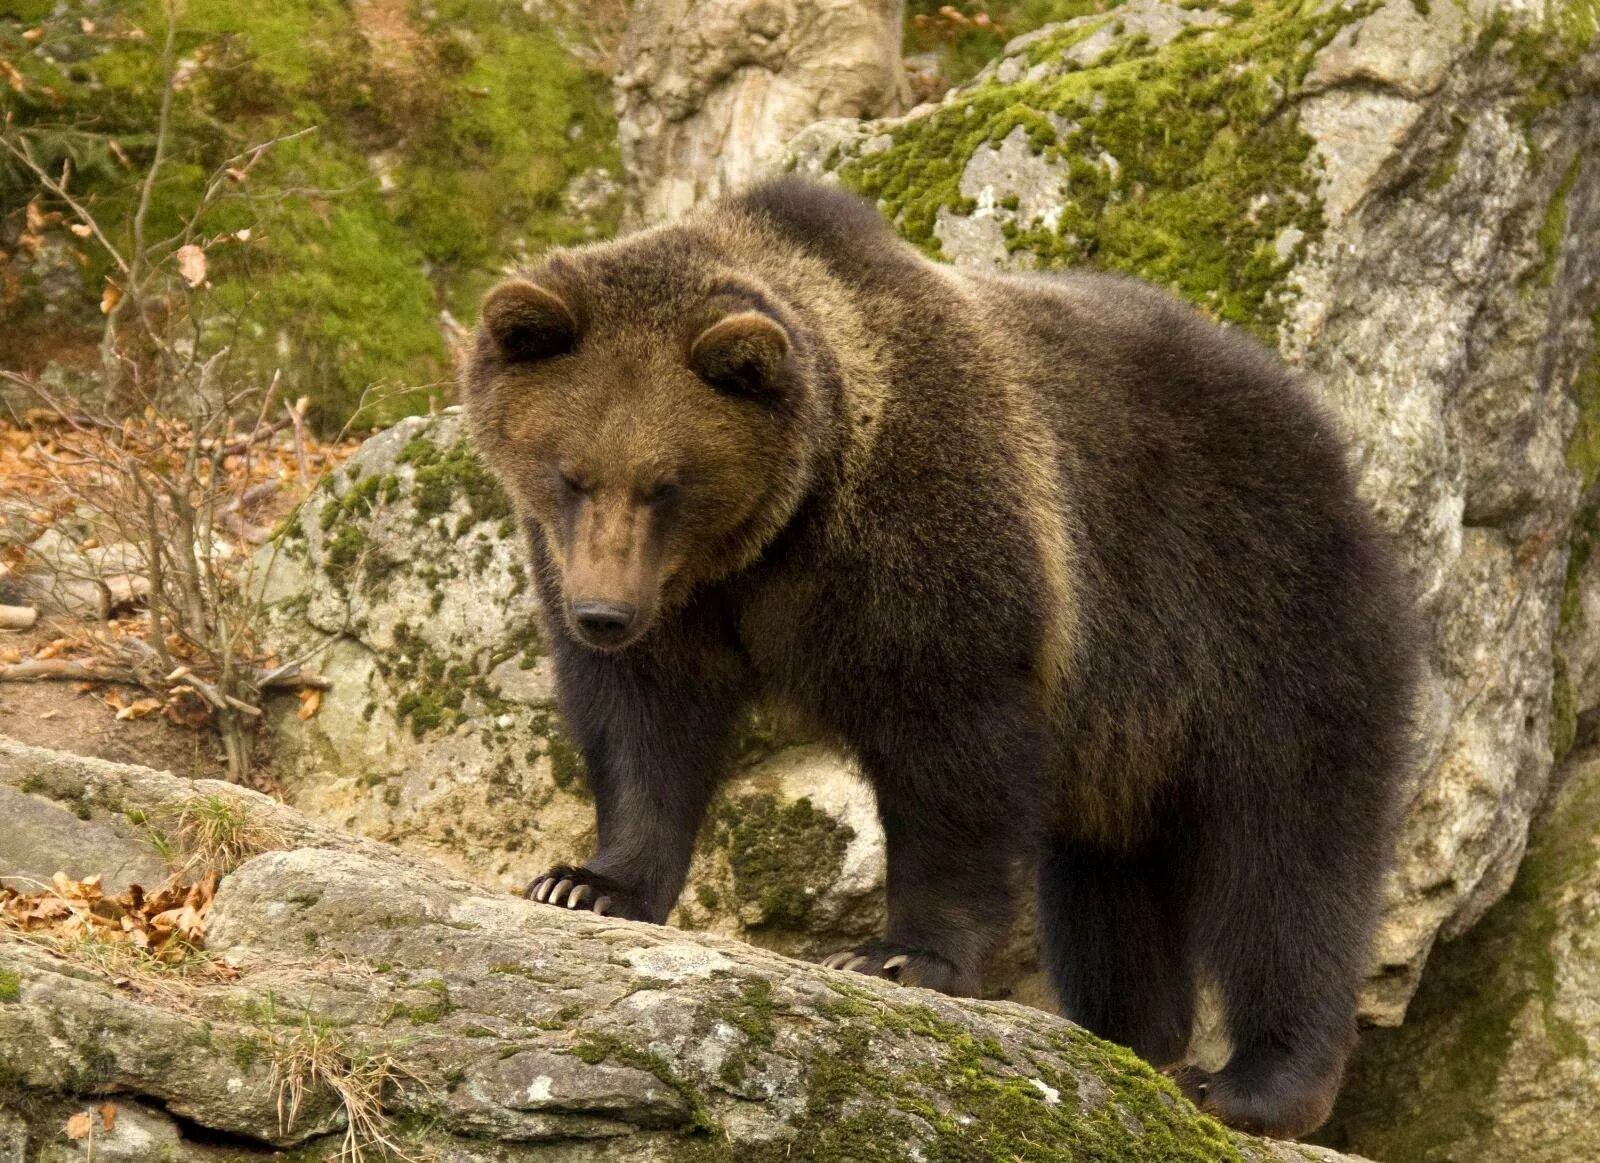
x: 1079, y: 578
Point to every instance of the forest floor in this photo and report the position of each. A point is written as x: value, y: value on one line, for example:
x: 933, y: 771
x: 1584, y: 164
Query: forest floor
x: 43, y: 478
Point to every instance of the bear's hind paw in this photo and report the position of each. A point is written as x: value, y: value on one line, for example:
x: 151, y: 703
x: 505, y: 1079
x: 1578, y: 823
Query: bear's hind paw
x: 902, y: 964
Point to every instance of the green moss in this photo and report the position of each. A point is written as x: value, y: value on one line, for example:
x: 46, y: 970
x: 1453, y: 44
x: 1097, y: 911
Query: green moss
x: 1445, y: 169
x: 753, y: 1013
x: 443, y: 474
x: 1553, y: 228
x: 246, y: 1052
x: 1583, y: 449
x: 781, y: 855
x: 1211, y: 165
x: 428, y: 710
x: 433, y: 160
x: 347, y: 553
x: 967, y: 1103
x: 10, y: 986
x: 360, y: 499
x: 594, y: 1048
x: 427, y: 1013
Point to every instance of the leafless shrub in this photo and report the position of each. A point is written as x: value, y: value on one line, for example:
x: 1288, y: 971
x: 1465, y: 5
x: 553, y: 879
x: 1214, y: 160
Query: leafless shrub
x: 161, y: 470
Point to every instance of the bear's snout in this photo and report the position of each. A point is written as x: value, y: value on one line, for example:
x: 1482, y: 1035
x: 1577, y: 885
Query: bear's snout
x: 604, y: 623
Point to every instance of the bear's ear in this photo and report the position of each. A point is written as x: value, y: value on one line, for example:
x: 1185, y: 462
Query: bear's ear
x: 527, y: 322
x: 742, y: 354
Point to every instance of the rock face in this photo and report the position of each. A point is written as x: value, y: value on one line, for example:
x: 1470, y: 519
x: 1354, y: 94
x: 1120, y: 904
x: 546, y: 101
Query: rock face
x: 710, y: 91
x: 461, y: 1025
x: 1403, y: 198
x: 1500, y: 1055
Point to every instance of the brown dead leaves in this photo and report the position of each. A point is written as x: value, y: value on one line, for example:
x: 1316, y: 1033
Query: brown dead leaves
x: 166, y: 927
x: 192, y: 264
x: 82, y: 1126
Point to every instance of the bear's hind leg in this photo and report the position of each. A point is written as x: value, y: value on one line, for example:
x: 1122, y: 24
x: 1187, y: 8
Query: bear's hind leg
x: 1285, y: 934
x: 1114, y: 947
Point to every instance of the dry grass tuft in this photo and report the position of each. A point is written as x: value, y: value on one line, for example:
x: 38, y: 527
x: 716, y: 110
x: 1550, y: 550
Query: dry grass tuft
x: 316, y: 1058
x: 218, y: 833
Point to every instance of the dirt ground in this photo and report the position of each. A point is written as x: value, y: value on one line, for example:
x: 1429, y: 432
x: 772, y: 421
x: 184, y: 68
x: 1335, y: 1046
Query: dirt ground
x: 43, y: 472
x: 74, y: 716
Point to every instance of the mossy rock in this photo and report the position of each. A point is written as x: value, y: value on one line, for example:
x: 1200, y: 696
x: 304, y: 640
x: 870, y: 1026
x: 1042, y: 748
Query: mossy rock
x: 1154, y: 139
x: 1500, y: 1056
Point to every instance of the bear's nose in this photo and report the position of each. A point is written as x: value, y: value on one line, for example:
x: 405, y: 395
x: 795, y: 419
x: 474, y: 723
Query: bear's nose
x: 604, y: 623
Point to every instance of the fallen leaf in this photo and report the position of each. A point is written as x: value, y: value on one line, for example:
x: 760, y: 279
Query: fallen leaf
x: 110, y: 297
x: 138, y: 709
x: 192, y: 264
x: 81, y: 229
x: 310, y: 701
x: 34, y: 35
x: 80, y: 1125
x: 108, y: 1115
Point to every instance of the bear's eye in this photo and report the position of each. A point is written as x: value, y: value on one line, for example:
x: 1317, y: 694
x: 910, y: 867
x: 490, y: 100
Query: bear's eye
x: 664, y: 493
x: 573, y: 484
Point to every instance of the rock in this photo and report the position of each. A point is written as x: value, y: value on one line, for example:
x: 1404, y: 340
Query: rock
x: 1577, y: 694
x: 1396, y: 197
x: 710, y: 91
x: 42, y: 838
x: 1500, y: 1054
x: 466, y: 1025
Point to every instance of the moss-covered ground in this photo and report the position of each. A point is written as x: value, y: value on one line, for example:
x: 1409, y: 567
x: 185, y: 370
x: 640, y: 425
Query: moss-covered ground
x: 441, y: 139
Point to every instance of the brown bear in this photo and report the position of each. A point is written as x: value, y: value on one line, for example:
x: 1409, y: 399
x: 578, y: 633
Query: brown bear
x: 1080, y: 579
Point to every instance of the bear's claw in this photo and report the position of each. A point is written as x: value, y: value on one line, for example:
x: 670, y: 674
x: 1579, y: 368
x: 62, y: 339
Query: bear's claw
x: 898, y: 963
x: 578, y: 888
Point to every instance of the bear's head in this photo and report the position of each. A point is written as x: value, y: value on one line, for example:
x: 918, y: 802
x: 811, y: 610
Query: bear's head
x: 656, y: 422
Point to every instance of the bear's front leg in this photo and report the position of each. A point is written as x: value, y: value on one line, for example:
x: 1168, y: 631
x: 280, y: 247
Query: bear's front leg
x: 960, y: 798
x: 655, y: 734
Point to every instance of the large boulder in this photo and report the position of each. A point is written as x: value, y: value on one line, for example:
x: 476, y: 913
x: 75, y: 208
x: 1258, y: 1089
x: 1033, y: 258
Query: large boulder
x: 709, y: 92
x: 351, y: 994
x: 1401, y: 197
x: 1500, y: 1055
